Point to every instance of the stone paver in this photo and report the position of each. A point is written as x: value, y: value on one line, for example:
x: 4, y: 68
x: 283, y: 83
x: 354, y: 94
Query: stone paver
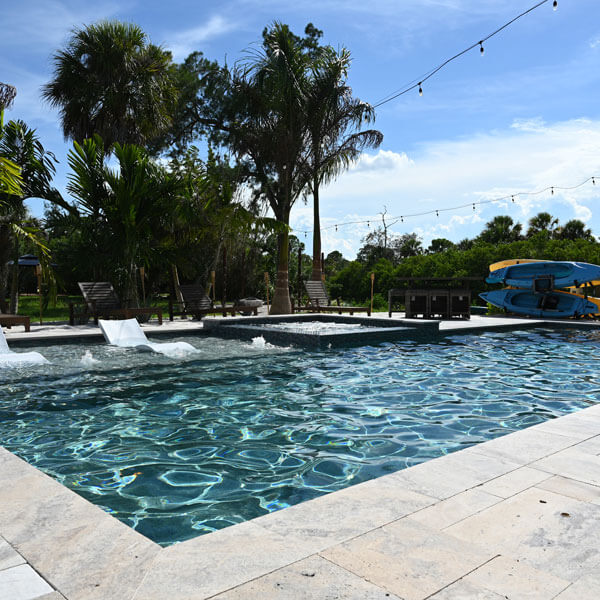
x: 512, y: 483
x: 586, y: 588
x: 408, y: 559
x: 22, y: 583
x: 309, y: 579
x: 8, y: 556
x: 572, y: 488
x: 541, y: 529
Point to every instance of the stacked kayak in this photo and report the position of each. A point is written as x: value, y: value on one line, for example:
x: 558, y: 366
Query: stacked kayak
x: 537, y: 288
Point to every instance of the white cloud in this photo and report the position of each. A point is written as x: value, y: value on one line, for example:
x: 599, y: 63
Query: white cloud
x: 524, y: 157
x: 185, y: 42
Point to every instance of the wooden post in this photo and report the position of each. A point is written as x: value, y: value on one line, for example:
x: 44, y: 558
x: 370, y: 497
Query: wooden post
x: 323, y: 263
x: 267, y: 288
x: 299, y: 278
x: 142, y: 275
x: 38, y: 274
x: 224, y: 290
x: 372, y: 284
x: 212, y: 284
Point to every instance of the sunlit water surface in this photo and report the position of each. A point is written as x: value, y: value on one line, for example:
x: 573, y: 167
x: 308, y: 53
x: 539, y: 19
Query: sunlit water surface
x: 180, y: 447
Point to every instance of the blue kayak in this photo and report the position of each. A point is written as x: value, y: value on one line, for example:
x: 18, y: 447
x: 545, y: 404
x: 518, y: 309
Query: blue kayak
x: 540, y: 276
x: 550, y: 305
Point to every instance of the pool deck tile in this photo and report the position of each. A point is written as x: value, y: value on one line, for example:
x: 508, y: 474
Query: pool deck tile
x: 572, y: 488
x: 517, y: 517
x: 408, y: 558
x: 22, y: 583
x: 541, y: 529
x: 514, y: 482
x: 309, y: 579
x: 512, y: 579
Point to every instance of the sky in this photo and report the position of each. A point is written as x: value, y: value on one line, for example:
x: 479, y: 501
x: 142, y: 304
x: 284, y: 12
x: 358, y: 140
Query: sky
x: 522, y: 117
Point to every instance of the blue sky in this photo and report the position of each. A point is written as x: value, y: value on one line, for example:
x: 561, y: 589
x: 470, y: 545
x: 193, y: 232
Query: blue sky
x: 523, y: 117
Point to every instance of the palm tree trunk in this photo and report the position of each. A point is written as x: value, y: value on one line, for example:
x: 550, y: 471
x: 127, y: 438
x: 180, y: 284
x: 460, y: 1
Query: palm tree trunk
x: 14, y: 284
x: 281, y: 303
x: 316, y: 266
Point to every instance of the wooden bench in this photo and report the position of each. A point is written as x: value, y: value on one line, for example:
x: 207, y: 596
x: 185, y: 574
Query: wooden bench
x: 9, y: 320
x: 198, y: 304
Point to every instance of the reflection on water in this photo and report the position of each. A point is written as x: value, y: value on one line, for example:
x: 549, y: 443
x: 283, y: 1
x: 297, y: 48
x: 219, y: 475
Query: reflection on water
x: 176, y: 448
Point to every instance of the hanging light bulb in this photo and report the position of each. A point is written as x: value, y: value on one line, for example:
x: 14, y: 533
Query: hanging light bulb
x: 437, y: 214
x: 473, y: 205
x: 401, y: 220
x: 368, y: 223
x: 305, y: 234
x: 552, y: 191
x: 420, y: 89
x: 555, y: 5
x: 593, y: 180
x: 481, y: 50
x: 336, y: 227
x: 513, y: 198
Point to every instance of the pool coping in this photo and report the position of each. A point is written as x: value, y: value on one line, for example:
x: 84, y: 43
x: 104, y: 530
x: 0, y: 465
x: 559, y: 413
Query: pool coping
x: 465, y: 523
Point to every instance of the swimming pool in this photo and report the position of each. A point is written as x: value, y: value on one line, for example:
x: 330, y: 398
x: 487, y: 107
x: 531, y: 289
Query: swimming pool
x: 177, y: 448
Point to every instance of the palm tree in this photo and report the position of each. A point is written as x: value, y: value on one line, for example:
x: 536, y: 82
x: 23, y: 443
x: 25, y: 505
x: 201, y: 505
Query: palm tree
x: 20, y: 145
x: 267, y: 127
x: 543, y: 221
x: 333, y: 115
x: 7, y: 96
x: 111, y: 81
x: 501, y: 230
x: 574, y: 230
x: 125, y: 205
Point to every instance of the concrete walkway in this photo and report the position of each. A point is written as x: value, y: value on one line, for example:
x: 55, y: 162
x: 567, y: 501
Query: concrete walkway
x: 517, y: 517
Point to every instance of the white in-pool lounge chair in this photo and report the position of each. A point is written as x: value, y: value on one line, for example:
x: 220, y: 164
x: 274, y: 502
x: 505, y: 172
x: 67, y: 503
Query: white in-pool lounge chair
x: 8, y: 358
x: 128, y: 334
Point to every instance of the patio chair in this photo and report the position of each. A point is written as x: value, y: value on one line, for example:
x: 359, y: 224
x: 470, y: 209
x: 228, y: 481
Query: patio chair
x: 102, y: 301
x: 8, y: 358
x: 128, y: 334
x: 318, y: 300
x: 198, y: 304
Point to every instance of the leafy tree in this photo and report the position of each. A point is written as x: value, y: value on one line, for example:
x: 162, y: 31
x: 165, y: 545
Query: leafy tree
x: 407, y: 245
x: 543, y: 221
x: 110, y: 81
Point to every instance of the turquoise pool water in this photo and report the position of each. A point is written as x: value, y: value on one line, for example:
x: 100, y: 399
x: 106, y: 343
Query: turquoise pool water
x: 180, y: 447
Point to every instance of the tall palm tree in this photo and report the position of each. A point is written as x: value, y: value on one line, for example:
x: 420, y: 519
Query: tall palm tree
x: 268, y: 129
x: 111, y: 81
x: 7, y: 96
x: 574, y: 230
x: 333, y: 115
x: 501, y: 230
x: 543, y: 221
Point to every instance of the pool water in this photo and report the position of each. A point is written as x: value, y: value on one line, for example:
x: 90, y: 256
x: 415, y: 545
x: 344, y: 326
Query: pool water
x: 180, y: 447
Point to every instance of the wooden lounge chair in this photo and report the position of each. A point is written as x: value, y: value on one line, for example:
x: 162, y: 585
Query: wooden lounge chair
x: 9, y: 320
x: 102, y: 301
x: 198, y: 304
x: 318, y: 300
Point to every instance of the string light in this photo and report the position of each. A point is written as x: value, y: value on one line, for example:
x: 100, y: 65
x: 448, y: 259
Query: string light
x: 454, y: 208
x: 412, y: 85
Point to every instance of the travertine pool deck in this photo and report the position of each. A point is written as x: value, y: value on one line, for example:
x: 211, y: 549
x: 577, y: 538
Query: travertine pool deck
x: 516, y: 517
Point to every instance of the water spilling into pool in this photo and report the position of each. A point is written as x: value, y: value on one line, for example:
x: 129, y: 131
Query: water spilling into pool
x: 176, y: 448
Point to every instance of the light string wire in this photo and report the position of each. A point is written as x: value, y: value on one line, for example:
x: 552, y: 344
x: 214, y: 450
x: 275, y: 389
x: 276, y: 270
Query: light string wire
x: 512, y: 197
x: 429, y: 74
